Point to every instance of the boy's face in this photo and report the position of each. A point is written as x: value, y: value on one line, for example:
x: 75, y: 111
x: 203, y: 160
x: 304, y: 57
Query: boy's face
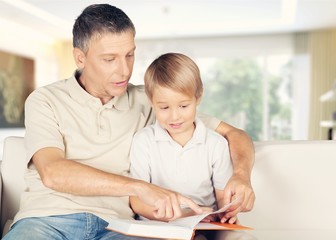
x: 175, y: 111
x: 108, y: 64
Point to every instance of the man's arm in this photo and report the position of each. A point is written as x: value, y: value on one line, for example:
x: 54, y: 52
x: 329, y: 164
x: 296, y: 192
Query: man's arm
x: 242, y: 155
x: 142, y: 209
x: 69, y: 176
x: 149, y: 212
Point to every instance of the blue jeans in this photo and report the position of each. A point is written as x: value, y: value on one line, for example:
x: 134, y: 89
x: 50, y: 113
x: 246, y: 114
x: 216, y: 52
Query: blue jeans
x: 80, y: 226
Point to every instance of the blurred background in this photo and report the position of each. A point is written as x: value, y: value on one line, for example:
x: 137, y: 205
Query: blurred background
x: 268, y: 66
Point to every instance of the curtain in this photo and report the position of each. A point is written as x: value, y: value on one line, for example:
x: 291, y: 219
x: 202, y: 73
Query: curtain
x: 65, y: 60
x: 321, y: 47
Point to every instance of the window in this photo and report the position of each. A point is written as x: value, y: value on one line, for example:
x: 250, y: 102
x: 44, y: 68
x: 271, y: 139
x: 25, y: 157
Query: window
x: 250, y: 93
x: 256, y: 83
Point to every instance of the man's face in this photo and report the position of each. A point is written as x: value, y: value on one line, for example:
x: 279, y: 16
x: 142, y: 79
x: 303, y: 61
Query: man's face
x: 108, y: 65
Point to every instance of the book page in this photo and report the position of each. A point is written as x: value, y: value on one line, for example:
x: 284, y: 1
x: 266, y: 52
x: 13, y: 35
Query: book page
x: 192, y: 221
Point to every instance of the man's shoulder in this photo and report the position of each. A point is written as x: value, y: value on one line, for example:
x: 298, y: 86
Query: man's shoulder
x: 60, y: 84
x: 136, y: 88
x: 137, y: 95
x: 49, y: 89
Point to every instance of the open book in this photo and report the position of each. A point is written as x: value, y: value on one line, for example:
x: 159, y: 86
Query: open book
x: 182, y: 228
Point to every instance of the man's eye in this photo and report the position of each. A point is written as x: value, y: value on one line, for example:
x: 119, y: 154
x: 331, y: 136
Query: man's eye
x: 130, y: 55
x: 108, y: 59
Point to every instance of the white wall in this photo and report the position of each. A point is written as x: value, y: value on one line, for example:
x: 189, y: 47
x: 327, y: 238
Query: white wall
x: 18, y: 40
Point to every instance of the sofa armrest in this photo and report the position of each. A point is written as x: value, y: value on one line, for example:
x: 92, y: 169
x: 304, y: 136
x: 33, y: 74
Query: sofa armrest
x: 0, y: 189
x: 13, y: 166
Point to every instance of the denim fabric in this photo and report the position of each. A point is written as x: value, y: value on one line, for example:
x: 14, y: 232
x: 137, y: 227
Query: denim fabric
x: 80, y: 226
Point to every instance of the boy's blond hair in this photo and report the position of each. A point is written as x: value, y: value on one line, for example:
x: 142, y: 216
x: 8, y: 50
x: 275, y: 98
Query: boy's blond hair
x: 174, y: 71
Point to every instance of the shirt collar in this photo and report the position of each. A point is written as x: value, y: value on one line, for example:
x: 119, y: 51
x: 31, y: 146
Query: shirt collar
x: 80, y: 95
x: 198, y: 136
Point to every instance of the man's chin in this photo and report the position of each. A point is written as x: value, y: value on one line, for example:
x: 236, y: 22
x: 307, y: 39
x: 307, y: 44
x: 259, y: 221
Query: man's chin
x: 119, y: 92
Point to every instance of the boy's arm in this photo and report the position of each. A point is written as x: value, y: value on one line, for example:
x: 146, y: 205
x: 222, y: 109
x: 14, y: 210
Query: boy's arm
x: 242, y: 156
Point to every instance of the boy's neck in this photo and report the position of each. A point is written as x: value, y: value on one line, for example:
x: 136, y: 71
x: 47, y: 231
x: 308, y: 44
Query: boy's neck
x: 184, y: 137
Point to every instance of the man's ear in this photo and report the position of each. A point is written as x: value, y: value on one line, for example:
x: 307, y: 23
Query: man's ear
x: 79, y: 57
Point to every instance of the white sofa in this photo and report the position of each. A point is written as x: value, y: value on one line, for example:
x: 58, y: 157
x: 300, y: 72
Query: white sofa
x: 294, y: 182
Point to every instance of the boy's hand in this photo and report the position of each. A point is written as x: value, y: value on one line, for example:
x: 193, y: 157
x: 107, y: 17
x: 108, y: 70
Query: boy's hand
x: 186, y: 211
x: 232, y: 220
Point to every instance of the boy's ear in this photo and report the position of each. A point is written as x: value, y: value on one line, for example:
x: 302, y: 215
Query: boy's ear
x: 199, y: 99
x: 79, y: 57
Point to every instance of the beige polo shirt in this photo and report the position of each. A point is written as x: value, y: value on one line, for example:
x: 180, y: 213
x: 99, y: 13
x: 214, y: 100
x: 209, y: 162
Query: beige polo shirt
x: 65, y: 116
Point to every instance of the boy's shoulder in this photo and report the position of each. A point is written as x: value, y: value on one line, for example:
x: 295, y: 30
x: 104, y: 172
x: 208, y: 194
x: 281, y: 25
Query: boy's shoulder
x: 146, y: 132
x: 211, y: 135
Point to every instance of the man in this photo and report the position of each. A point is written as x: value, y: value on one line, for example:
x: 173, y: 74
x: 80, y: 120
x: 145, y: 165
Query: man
x: 78, y: 137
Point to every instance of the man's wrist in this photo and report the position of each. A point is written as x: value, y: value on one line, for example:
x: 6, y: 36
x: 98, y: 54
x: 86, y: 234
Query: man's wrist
x: 242, y: 174
x: 134, y: 187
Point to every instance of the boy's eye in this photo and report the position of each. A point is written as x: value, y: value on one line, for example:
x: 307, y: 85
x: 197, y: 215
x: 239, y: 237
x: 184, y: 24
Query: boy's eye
x: 164, y: 108
x: 184, y: 106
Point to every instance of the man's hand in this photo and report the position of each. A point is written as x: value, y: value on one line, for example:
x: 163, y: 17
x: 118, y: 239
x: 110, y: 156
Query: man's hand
x: 242, y: 155
x: 238, y: 186
x: 166, y: 204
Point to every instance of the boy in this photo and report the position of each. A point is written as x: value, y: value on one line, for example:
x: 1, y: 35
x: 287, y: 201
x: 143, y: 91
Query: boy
x: 178, y: 152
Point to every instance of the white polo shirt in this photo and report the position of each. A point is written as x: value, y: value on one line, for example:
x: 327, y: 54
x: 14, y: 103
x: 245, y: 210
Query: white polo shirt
x: 194, y: 170
x: 65, y: 116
